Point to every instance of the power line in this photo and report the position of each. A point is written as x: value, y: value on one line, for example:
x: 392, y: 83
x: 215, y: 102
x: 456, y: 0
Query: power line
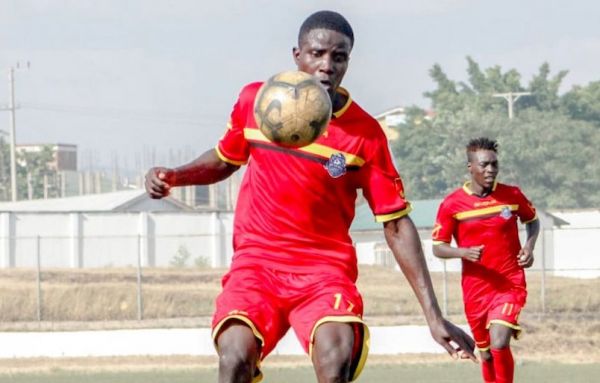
x: 124, y: 114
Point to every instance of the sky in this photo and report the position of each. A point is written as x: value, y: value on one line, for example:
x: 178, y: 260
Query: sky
x: 148, y: 82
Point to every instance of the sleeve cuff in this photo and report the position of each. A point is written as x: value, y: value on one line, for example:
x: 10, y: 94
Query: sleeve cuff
x: 228, y: 160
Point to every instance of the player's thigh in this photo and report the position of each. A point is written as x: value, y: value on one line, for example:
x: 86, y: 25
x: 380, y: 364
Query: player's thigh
x: 478, y: 325
x: 330, y: 316
x: 503, y: 323
x: 246, y: 298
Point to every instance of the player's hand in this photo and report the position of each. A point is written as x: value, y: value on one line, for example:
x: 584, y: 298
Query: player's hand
x: 472, y: 254
x: 157, y: 184
x: 453, y: 339
x: 525, y: 257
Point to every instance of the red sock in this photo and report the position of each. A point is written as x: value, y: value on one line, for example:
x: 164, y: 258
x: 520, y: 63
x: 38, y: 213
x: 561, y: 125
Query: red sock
x: 504, y: 365
x: 487, y: 370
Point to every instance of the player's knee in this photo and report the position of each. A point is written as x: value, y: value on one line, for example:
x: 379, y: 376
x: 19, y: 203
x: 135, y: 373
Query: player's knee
x: 500, y: 336
x: 486, y: 356
x: 239, y: 351
x: 238, y: 361
x: 332, y: 358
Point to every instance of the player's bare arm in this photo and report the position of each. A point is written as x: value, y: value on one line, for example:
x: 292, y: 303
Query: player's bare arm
x: 525, y: 257
x: 403, y: 239
x: 445, y: 251
x: 208, y: 168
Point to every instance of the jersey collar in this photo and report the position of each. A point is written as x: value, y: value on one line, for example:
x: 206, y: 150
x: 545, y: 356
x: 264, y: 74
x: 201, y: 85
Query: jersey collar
x: 467, y: 187
x: 343, y: 91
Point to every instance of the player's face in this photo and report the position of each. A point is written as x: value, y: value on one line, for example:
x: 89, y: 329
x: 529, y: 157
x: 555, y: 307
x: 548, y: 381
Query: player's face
x: 325, y: 54
x: 483, y: 166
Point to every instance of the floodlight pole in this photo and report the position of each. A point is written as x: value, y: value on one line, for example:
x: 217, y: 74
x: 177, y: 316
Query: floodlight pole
x: 511, y: 98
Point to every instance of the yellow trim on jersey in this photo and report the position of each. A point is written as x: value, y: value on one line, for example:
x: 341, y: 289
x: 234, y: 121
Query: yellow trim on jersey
x: 531, y: 220
x: 484, y: 348
x: 225, y: 159
x: 318, y: 149
x: 392, y: 216
x: 365, y: 344
x: 344, y: 108
x: 467, y: 188
x: 485, y: 211
x: 437, y: 243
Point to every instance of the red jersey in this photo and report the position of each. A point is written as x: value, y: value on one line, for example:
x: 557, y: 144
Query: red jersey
x: 490, y: 221
x: 295, y: 206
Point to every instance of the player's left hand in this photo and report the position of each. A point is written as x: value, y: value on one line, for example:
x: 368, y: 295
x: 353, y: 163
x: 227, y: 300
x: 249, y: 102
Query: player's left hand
x: 525, y: 257
x: 446, y: 333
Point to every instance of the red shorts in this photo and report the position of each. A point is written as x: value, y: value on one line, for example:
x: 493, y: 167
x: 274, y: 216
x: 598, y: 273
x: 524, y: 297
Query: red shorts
x: 270, y: 302
x: 506, y: 314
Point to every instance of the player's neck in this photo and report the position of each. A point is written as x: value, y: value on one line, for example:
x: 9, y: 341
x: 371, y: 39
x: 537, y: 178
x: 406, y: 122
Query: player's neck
x: 480, y: 190
x: 338, y: 101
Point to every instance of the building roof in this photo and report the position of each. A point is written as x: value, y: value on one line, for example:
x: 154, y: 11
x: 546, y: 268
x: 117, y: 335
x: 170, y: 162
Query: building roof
x: 423, y: 215
x: 580, y: 218
x: 424, y: 212
x: 125, y: 200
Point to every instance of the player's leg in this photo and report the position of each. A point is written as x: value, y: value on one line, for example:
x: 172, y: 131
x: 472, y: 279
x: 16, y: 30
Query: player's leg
x: 332, y: 352
x: 477, y: 322
x: 239, y: 353
x: 503, y: 325
x: 247, y: 324
x: 327, y: 321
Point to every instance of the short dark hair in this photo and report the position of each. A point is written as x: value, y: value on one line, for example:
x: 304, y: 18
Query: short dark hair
x: 326, y: 20
x: 481, y: 143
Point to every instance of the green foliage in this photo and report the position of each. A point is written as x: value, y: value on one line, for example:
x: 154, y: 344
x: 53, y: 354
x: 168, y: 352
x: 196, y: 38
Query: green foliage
x: 549, y: 148
x: 202, y: 262
x: 181, y: 257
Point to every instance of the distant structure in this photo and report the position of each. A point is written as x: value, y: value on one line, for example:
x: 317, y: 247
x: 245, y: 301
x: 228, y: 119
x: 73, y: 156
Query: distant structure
x: 392, y: 118
x: 64, y: 155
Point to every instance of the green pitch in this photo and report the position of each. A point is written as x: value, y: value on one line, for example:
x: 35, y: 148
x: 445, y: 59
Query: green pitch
x: 423, y: 373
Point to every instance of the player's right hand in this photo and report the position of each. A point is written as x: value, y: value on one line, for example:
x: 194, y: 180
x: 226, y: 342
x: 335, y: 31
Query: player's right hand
x: 472, y: 254
x: 157, y: 185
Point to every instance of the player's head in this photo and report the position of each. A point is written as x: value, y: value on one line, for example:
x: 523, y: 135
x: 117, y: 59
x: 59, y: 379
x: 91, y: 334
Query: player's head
x: 482, y: 161
x: 325, y: 41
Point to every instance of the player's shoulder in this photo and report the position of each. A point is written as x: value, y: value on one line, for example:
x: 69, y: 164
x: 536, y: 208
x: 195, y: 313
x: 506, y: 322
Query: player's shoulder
x: 508, y: 189
x: 363, y: 121
x: 451, y: 198
x: 249, y: 90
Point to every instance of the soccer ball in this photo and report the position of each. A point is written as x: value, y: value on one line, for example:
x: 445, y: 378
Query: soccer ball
x: 292, y: 109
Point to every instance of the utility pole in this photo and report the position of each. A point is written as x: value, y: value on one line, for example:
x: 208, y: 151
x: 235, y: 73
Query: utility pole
x: 511, y: 98
x: 13, y: 142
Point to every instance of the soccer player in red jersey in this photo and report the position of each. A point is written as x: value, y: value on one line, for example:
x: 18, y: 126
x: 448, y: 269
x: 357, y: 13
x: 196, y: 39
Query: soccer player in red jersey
x: 294, y: 264
x: 482, y: 218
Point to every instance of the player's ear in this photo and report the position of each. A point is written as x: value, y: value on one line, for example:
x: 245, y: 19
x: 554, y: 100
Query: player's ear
x: 296, y: 54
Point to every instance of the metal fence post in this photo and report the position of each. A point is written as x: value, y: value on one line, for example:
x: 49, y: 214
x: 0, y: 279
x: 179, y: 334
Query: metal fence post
x: 39, y: 278
x: 543, y: 279
x: 140, y: 302
x: 445, y: 290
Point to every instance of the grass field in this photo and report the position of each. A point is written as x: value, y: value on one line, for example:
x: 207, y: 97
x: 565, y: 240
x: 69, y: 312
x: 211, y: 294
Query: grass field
x: 560, y: 345
x: 436, y: 372
x: 83, y: 295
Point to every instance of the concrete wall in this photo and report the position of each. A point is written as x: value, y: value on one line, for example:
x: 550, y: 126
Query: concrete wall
x: 119, y: 239
x: 114, y: 239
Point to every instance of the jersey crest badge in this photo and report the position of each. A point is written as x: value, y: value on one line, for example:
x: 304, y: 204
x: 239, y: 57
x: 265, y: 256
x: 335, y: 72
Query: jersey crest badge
x: 336, y: 165
x: 505, y: 212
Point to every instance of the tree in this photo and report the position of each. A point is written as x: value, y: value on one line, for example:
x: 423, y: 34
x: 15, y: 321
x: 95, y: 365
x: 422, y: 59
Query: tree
x: 32, y: 168
x: 549, y: 149
x: 583, y: 102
